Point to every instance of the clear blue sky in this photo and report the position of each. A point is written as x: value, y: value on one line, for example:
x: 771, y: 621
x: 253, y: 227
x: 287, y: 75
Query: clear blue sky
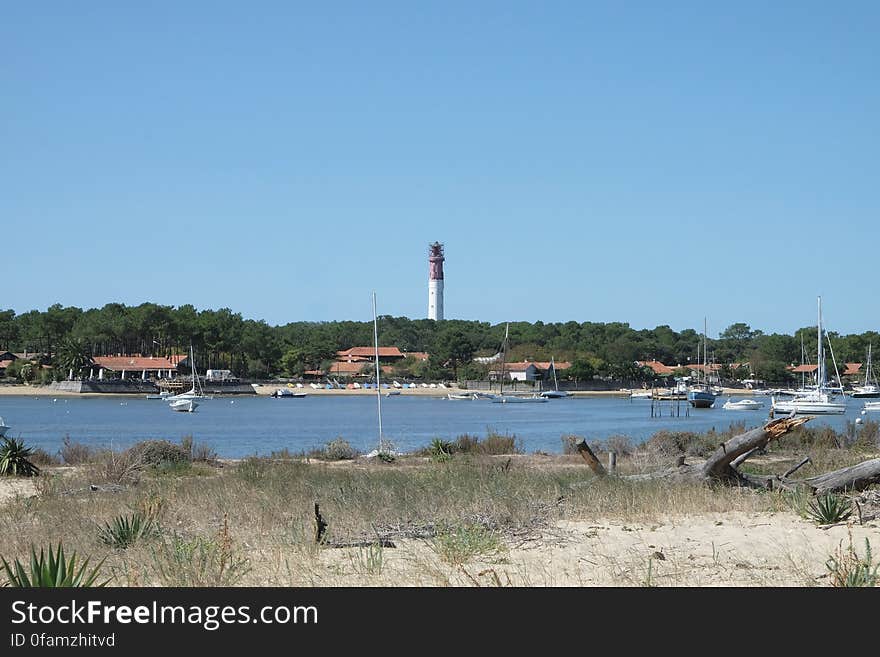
x: 643, y: 162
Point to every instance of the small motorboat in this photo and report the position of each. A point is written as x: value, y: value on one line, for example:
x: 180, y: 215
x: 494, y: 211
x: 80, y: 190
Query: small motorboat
x: 161, y: 395
x: 743, y: 405
x: 3, y: 427
x: 555, y: 394
x: 183, y: 405
x: 391, y: 393
x: 287, y: 393
x: 869, y: 406
x: 460, y: 396
x: 640, y: 394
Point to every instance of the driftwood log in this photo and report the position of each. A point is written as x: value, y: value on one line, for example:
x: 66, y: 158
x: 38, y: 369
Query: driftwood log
x: 722, y: 465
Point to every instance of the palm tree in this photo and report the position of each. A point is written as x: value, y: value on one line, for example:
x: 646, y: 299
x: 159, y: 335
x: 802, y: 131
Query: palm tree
x: 73, y: 355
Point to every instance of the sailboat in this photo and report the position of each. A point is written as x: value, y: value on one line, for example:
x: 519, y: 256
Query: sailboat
x: 383, y: 447
x: 700, y: 395
x: 501, y: 398
x: 869, y: 390
x: 556, y: 393
x: 822, y: 400
x: 196, y: 391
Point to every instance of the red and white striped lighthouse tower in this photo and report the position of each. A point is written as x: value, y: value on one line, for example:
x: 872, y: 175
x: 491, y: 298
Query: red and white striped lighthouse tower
x: 435, y: 281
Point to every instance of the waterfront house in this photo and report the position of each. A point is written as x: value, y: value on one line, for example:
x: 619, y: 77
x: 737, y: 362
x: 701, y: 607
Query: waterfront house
x: 135, y: 366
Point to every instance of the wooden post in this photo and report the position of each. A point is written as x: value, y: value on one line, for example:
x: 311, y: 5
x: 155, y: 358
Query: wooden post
x: 320, y: 525
x: 588, y: 456
x: 612, y: 461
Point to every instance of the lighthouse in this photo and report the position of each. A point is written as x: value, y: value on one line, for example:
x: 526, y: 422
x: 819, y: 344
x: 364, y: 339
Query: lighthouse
x: 435, y: 281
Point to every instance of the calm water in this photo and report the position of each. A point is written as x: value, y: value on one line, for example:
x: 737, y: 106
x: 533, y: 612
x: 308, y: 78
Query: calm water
x: 247, y: 425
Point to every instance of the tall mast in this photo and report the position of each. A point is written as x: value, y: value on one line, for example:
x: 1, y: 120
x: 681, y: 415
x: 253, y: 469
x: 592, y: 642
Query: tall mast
x: 504, y: 356
x: 820, y: 371
x: 378, y: 391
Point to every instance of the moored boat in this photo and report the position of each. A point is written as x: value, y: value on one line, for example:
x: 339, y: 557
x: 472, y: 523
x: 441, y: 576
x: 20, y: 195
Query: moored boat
x: 822, y: 400
x: 183, y: 405
x: 3, y: 427
x: 743, y: 405
x: 287, y: 393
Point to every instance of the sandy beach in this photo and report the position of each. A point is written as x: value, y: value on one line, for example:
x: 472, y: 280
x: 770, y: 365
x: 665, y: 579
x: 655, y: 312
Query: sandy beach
x: 266, y: 389
x: 269, y: 389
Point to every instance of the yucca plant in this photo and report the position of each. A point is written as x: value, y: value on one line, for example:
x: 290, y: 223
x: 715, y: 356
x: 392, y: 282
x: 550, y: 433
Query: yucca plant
x: 15, y: 459
x: 829, y: 509
x: 123, y: 531
x: 53, y: 572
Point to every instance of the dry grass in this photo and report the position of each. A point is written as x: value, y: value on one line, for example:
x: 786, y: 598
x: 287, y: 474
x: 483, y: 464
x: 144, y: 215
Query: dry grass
x: 470, y: 520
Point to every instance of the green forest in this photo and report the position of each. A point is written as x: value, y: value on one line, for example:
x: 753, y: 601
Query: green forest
x: 65, y: 338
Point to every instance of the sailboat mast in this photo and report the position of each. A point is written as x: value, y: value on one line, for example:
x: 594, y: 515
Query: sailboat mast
x: 504, y: 356
x: 378, y: 390
x: 820, y: 371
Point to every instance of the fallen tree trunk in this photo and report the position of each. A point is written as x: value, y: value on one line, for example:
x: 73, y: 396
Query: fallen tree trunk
x: 721, y: 464
x: 855, y: 477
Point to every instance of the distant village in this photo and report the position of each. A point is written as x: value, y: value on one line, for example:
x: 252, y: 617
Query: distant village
x: 358, y: 364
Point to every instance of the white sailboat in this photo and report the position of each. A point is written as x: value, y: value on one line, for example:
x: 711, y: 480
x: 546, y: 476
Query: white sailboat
x: 183, y: 405
x: 869, y: 390
x: 196, y: 391
x: 822, y: 400
x: 383, y: 446
x: 556, y: 393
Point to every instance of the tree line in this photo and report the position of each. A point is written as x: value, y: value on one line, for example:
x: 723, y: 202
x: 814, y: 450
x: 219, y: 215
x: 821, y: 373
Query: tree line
x: 67, y: 337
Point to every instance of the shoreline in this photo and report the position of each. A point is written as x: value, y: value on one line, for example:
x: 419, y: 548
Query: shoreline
x: 265, y: 390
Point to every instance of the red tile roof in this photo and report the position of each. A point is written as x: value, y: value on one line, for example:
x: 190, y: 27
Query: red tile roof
x: 852, y: 368
x: 119, y: 363
x: 656, y: 366
x: 370, y: 352
x: 808, y: 369
x: 711, y: 367
x: 545, y: 365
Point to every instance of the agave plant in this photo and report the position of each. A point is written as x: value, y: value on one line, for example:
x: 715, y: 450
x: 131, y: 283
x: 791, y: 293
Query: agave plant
x: 15, y: 459
x: 829, y: 509
x: 53, y: 572
x: 123, y: 531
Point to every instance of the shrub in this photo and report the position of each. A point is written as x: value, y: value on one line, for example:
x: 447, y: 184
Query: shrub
x: 40, y: 456
x: 339, y: 450
x: 203, y: 453
x: 56, y: 571
x: 620, y: 445
x: 15, y: 459
x: 157, y: 452
x: 458, y: 545
x: 123, y: 531
x: 829, y: 509
x: 569, y: 443
x: 493, y: 444
x: 76, y: 453
x: 118, y: 467
x: 440, y: 450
